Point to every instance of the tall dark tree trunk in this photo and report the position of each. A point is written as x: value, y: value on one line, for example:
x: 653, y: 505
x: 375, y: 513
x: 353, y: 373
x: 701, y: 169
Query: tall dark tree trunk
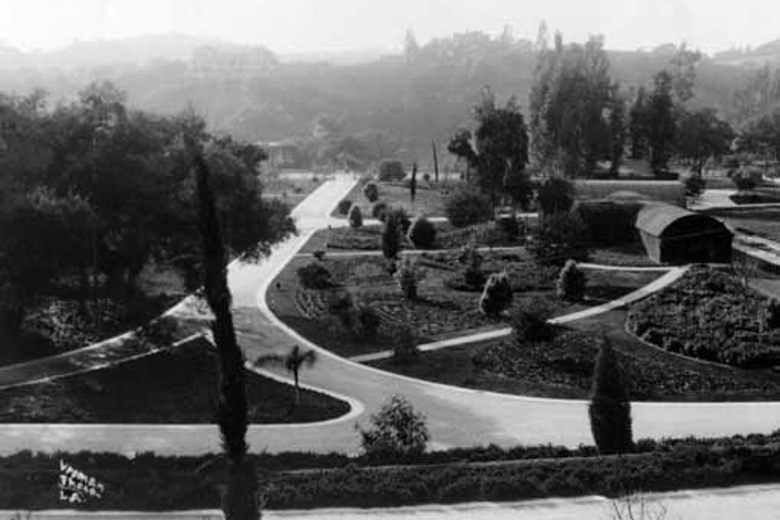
x: 240, y: 500
x: 297, y: 388
x: 435, y: 162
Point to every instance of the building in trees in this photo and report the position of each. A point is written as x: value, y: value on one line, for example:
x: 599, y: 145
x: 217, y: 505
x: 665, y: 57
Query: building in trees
x: 673, y: 235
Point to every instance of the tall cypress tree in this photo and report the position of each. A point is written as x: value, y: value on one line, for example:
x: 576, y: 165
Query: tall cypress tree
x: 413, y: 183
x: 610, y: 407
x: 240, y: 500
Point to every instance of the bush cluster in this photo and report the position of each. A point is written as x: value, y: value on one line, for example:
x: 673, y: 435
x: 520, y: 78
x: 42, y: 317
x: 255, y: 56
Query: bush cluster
x: 571, y: 282
x: 397, y: 431
x: 391, y: 170
x: 607, y: 222
x: 150, y: 482
x: 422, y: 233
x: 371, y: 192
x: 497, y: 295
x: 529, y: 320
x: 355, y: 217
x: 558, y: 237
x: 466, y: 207
x: 343, y: 206
x: 708, y: 315
x: 378, y: 210
x: 314, y: 276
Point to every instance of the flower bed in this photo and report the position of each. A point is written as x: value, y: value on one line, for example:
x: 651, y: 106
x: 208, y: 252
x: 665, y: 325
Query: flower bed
x: 709, y: 315
x: 178, y: 385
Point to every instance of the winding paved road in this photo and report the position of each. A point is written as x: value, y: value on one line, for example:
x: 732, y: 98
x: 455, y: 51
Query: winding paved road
x: 456, y: 416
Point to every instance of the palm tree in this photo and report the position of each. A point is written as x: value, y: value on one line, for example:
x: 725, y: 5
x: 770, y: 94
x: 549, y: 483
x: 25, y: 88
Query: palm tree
x: 240, y: 500
x: 293, y: 361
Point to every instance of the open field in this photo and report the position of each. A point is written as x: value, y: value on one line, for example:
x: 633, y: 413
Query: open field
x: 177, y: 386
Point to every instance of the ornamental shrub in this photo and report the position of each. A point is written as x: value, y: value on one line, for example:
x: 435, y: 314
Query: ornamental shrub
x: 368, y: 322
x: 497, y: 295
x: 529, y: 320
x: 399, y: 215
x: 343, y: 206
x: 314, y: 276
x: 466, y: 207
x: 472, y: 275
x: 772, y: 315
x: 422, y: 233
x: 371, y: 192
x: 391, y: 170
x: 355, y: 217
x: 610, y: 407
x: 571, y: 282
x: 379, y: 210
x: 405, y: 348
x: 341, y: 306
x: 407, y: 275
x: 608, y: 222
x: 397, y: 431
x: 558, y: 237
x: 694, y: 185
x: 510, y: 227
x: 555, y: 195
x: 391, y: 238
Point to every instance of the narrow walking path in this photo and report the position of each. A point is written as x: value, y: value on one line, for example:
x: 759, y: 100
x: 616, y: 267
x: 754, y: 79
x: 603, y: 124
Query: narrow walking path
x: 455, y: 416
x: 669, y: 278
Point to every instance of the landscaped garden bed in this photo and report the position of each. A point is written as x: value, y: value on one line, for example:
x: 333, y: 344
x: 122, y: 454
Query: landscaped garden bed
x: 367, y: 238
x: 151, y: 483
x: 430, y: 197
x: 445, y: 307
x: 178, y: 385
x: 711, y: 315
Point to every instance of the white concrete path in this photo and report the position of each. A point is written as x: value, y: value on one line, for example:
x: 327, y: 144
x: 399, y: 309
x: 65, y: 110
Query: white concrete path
x: 669, y: 278
x: 455, y: 416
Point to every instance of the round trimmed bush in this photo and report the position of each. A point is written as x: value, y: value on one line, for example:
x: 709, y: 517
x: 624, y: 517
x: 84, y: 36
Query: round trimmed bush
x: 497, y: 295
x: 422, y: 233
x: 391, y: 170
x: 371, y: 192
x: 343, y: 206
x: 401, y: 217
x: 529, y: 320
x: 355, y: 217
x: 379, y: 210
x: 467, y: 207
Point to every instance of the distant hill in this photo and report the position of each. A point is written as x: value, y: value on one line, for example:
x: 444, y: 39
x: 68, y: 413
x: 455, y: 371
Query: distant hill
x: 767, y: 53
x: 395, y: 104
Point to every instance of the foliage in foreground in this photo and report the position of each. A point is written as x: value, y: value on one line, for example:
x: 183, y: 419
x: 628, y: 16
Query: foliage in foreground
x: 610, y: 406
x: 149, y: 482
x: 397, y: 430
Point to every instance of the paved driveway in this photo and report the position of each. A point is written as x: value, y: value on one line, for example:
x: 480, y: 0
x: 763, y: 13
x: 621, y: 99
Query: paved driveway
x: 456, y: 416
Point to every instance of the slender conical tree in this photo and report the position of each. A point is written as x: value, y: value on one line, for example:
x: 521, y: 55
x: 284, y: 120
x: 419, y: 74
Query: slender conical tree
x: 435, y: 162
x: 610, y: 408
x: 240, y: 499
x: 413, y: 183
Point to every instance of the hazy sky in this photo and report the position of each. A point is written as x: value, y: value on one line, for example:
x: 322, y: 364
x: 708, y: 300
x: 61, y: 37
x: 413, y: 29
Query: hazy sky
x: 311, y: 25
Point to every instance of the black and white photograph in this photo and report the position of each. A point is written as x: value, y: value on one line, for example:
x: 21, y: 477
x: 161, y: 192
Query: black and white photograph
x: 363, y: 260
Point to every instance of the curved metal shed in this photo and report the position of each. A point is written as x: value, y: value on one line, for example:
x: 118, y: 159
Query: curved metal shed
x: 677, y: 236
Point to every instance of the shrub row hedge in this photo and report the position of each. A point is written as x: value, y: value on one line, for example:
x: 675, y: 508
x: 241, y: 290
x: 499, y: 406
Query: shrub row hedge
x: 149, y: 482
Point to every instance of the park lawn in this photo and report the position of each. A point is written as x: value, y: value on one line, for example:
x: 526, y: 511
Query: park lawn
x: 368, y: 238
x: 562, y: 368
x: 177, y: 386
x: 632, y: 254
x: 290, y: 190
x: 430, y: 198
x: 764, y: 222
x: 441, y: 311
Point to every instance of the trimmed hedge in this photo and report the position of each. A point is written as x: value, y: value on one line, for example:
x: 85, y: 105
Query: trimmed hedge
x: 148, y: 482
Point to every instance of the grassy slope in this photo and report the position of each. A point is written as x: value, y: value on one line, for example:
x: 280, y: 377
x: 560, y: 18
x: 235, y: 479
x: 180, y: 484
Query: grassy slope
x: 176, y: 386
